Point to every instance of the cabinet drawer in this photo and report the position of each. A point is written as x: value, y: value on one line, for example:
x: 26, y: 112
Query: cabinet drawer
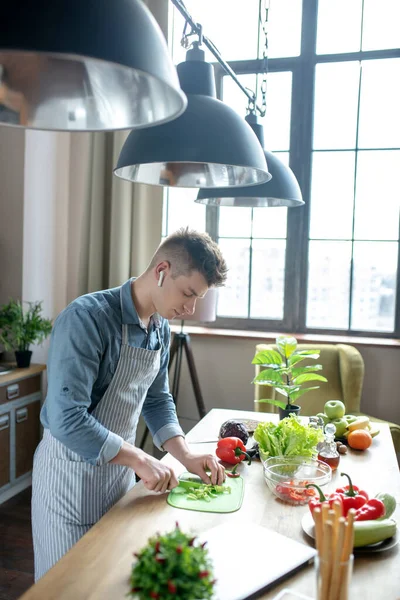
x: 22, y: 388
x: 4, y: 448
x: 27, y: 436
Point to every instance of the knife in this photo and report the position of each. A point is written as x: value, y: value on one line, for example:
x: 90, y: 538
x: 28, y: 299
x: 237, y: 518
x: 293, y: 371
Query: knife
x: 188, y: 483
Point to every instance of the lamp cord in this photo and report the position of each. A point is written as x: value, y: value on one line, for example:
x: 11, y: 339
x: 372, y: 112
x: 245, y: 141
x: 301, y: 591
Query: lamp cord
x: 264, y: 26
x: 196, y: 29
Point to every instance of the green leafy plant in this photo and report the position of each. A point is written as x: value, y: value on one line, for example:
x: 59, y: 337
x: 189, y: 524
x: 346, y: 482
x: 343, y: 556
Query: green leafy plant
x: 282, y: 373
x: 172, y: 566
x: 20, y: 328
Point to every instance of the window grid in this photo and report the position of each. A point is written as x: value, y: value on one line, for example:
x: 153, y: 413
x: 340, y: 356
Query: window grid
x: 301, y: 152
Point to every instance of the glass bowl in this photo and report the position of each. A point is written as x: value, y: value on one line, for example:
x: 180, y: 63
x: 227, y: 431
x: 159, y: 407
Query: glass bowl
x: 287, y: 477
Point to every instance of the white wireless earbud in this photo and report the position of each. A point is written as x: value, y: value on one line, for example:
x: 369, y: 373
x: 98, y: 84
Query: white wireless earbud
x: 161, y: 278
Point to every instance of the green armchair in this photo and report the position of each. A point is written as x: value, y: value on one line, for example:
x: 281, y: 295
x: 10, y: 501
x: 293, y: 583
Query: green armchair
x: 343, y: 366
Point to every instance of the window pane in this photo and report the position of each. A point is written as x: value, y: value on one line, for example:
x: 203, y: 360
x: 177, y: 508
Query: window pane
x: 284, y: 28
x: 270, y: 222
x: 279, y: 99
x: 233, y: 297
x: 165, y: 213
x: 381, y: 24
x: 374, y: 286
x: 331, y: 20
x: 234, y: 221
x: 332, y: 195
x: 328, y: 284
x: 377, y: 195
x: 184, y: 212
x: 379, y: 125
x: 335, y: 107
x: 232, y: 25
x: 267, y: 279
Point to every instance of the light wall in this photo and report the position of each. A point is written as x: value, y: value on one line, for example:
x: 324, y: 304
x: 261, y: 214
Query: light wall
x: 225, y: 372
x: 11, y: 212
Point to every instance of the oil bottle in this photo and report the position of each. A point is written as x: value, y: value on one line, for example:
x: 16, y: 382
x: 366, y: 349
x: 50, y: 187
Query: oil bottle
x: 328, y: 452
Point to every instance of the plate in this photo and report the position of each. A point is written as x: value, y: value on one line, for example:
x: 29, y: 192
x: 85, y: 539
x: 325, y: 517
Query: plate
x: 307, y: 524
x: 250, y: 424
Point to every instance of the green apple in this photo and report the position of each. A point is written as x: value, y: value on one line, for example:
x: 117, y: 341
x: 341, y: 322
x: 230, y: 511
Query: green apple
x: 350, y: 418
x: 324, y: 417
x: 341, y: 426
x: 334, y: 409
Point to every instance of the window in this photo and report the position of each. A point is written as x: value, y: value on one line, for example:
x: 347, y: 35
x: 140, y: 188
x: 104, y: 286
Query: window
x: 332, y: 115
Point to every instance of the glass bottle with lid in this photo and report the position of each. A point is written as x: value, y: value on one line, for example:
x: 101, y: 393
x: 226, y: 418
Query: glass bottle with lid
x: 328, y: 452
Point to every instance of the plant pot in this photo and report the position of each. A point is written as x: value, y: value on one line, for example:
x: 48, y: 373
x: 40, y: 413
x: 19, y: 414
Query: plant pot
x: 285, y: 412
x: 23, y: 358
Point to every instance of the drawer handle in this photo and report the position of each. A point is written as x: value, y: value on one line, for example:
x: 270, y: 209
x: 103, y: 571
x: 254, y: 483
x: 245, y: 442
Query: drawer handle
x: 21, y: 415
x: 13, y: 391
x: 4, y: 422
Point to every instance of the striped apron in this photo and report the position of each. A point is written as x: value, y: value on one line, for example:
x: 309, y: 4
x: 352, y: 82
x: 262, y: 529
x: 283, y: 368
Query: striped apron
x: 69, y: 495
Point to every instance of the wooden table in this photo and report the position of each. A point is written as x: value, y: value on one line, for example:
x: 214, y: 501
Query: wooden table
x: 98, y: 566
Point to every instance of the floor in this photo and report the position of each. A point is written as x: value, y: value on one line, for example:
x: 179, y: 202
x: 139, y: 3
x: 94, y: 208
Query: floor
x: 16, y: 551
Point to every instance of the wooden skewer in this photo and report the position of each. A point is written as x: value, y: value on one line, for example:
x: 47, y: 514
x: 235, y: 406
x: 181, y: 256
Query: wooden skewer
x: 349, y: 537
x: 332, y: 518
x: 338, y: 509
x: 326, y: 559
x: 345, y: 558
x: 336, y: 566
x: 317, y: 514
x: 325, y: 513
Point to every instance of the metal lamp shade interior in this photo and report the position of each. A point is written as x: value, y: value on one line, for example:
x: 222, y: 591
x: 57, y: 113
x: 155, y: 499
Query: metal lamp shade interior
x: 208, y: 146
x: 281, y: 190
x: 84, y: 65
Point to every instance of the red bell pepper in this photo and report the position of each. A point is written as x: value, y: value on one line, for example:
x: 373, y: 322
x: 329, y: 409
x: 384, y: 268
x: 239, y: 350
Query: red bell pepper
x: 317, y: 502
x: 372, y: 509
x: 232, y: 450
x: 352, y: 496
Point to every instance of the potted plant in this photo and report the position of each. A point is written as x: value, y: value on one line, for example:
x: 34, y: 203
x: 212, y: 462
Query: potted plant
x: 20, y: 328
x: 283, y: 373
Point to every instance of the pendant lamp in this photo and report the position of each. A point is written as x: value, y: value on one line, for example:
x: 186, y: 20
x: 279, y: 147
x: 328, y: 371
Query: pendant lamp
x: 282, y: 190
x: 209, y: 145
x: 85, y: 65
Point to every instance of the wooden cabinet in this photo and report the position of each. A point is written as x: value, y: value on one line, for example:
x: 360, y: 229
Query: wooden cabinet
x: 20, y: 403
x: 4, y: 449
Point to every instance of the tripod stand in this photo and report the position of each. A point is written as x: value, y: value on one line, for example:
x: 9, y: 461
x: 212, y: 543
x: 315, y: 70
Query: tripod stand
x: 181, y: 342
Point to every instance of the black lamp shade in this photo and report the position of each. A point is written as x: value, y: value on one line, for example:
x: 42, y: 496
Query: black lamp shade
x: 208, y: 146
x: 281, y: 190
x: 85, y: 65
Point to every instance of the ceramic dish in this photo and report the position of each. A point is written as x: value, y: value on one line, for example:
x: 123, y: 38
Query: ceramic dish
x: 307, y: 524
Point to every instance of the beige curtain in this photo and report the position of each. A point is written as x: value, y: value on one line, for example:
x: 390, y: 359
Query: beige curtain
x: 115, y: 225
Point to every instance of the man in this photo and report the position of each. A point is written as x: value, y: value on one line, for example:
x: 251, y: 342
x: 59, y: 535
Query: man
x: 108, y: 362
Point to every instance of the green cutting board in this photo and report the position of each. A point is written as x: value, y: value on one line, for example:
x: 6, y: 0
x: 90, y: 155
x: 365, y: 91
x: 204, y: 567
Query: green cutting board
x: 224, y: 503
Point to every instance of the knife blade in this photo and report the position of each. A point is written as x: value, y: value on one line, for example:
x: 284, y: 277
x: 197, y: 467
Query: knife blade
x: 188, y: 483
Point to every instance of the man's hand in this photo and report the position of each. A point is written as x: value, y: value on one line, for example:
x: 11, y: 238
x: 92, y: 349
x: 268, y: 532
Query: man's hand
x: 199, y: 464
x: 156, y: 476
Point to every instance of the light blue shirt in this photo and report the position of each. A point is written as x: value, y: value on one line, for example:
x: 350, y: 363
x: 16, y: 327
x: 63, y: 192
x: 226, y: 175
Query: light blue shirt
x: 84, y: 350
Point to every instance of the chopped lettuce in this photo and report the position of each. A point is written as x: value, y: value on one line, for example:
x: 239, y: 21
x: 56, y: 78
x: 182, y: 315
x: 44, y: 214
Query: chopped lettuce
x: 290, y: 437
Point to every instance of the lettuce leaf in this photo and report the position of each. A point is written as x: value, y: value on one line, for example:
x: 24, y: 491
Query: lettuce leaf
x: 290, y: 437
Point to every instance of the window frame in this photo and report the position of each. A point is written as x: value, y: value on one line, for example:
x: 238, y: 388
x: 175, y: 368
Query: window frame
x: 301, y: 152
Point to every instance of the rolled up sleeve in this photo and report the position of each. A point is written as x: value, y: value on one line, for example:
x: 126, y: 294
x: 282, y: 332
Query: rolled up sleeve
x: 75, y: 354
x: 159, y: 409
